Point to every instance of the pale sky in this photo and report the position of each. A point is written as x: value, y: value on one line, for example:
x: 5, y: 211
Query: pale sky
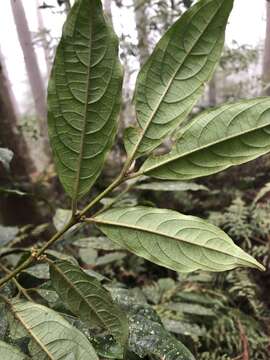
x: 247, y: 26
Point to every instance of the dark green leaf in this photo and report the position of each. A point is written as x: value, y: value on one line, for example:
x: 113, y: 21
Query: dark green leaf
x: 88, y: 299
x: 173, y: 78
x: 215, y: 140
x: 84, y: 97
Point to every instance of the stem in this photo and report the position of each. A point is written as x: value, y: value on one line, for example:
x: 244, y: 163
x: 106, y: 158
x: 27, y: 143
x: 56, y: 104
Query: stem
x: 119, y: 180
x: 18, y: 286
x: 75, y: 219
x: 34, y: 257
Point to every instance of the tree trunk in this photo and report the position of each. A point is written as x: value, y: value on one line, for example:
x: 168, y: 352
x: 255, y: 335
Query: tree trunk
x: 141, y: 27
x: 9, y: 85
x: 43, y: 38
x: 266, y: 60
x: 14, y: 210
x: 32, y: 68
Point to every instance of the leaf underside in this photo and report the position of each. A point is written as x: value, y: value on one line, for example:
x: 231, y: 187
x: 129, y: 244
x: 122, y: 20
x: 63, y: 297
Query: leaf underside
x: 84, y: 97
x: 88, y: 299
x: 178, y: 242
x: 173, y: 78
x: 231, y: 134
x: 50, y: 335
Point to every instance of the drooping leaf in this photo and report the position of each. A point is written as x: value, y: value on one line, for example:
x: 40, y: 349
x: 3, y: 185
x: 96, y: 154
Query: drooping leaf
x: 179, y: 242
x: 171, y: 186
x: 173, y: 78
x: 230, y: 135
x: 10, y: 352
x: 6, y: 156
x: 88, y: 299
x: 84, y: 97
x: 50, y: 335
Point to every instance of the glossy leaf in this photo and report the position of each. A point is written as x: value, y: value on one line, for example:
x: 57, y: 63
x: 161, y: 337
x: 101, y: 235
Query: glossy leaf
x: 50, y: 335
x: 215, y: 140
x: 173, y: 79
x: 179, y: 242
x: 150, y: 338
x: 88, y: 299
x: 84, y: 97
x: 11, y: 352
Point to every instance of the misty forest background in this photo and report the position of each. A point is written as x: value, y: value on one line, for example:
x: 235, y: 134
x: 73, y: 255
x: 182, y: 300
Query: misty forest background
x: 220, y: 317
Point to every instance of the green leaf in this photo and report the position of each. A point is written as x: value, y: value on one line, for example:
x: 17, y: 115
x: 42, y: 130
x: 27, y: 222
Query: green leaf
x: 150, y: 338
x: 171, y: 186
x: 50, y: 335
x: 10, y: 352
x: 229, y: 135
x: 173, y: 78
x: 6, y: 156
x: 88, y: 299
x: 179, y: 242
x: 84, y: 97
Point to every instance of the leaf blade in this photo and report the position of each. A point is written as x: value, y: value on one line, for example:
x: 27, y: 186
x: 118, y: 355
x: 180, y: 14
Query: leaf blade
x: 178, y: 242
x: 172, y: 80
x: 48, y: 331
x: 11, y: 352
x: 84, y: 97
x: 229, y: 135
x: 87, y: 298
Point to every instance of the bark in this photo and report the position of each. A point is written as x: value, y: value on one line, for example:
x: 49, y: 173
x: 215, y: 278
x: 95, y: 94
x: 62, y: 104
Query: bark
x: 9, y: 85
x: 14, y: 209
x: 141, y: 28
x: 43, y: 37
x: 266, y: 60
x: 31, y: 63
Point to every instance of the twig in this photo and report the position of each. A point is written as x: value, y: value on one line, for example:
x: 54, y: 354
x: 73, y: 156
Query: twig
x: 18, y: 286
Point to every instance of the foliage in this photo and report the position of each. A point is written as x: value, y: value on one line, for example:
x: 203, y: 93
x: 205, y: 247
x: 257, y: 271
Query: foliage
x: 73, y: 312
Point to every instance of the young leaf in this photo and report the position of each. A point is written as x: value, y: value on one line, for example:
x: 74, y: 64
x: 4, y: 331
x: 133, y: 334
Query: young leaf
x: 215, y: 140
x: 50, y: 335
x: 179, y: 242
x: 11, y: 352
x: 173, y: 78
x: 88, y: 299
x: 84, y: 97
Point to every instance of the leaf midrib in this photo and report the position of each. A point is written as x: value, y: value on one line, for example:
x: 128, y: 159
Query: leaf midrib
x: 63, y: 275
x: 208, y: 145
x: 136, y: 228
x: 169, y: 85
x: 82, y: 143
x: 32, y: 334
